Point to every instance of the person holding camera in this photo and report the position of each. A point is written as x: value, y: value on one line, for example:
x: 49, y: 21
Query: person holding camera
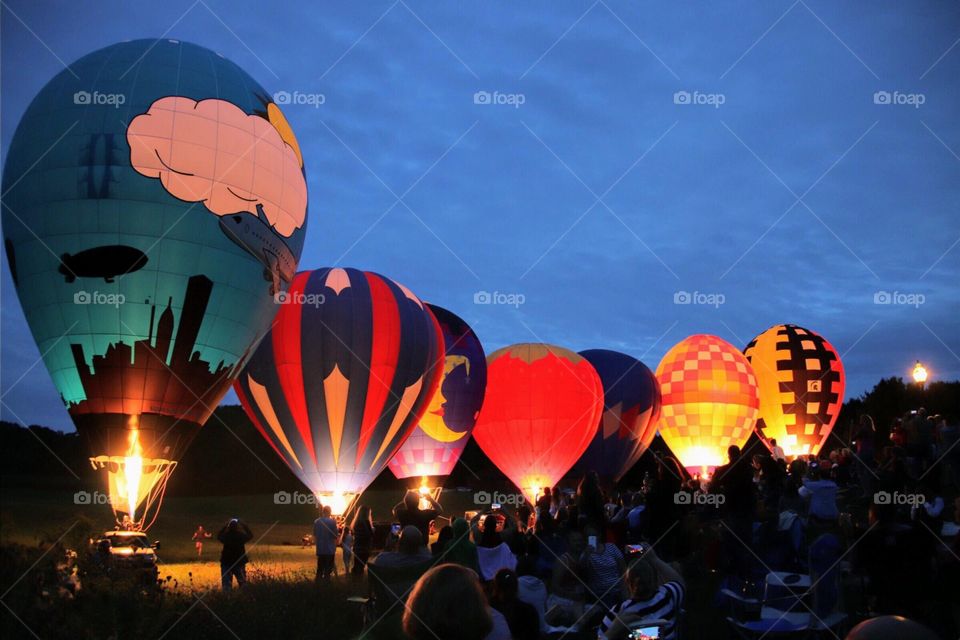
x: 656, y: 592
x: 233, y: 556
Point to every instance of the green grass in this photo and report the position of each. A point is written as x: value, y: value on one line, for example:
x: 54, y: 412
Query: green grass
x: 280, y: 600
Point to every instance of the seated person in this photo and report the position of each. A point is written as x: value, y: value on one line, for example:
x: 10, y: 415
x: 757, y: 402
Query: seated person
x: 603, y: 566
x: 393, y: 573
x: 567, y: 590
x: 656, y: 593
x: 822, y: 494
x: 522, y: 618
x: 531, y: 589
x: 447, y: 603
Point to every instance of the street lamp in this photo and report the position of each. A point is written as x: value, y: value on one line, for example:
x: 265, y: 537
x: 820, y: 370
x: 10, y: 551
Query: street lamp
x: 919, y: 374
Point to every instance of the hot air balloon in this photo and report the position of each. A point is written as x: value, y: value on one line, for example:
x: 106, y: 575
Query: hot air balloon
x: 801, y: 382
x: 631, y: 410
x: 437, y: 442
x: 154, y: 202
x: 342, y: 379
x: 710, y: 401
x: 540, y: 412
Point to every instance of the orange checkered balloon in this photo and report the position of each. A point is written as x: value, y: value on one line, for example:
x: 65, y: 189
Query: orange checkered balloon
x: 710, y: 401
x: 801, y: 387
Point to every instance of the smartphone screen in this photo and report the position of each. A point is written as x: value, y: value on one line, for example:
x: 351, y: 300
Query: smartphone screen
x: 592, y: 542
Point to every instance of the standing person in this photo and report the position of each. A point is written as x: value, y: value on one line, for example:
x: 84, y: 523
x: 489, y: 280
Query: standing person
x: 544, y: 504
x: 362, y: 528
x: 409, y: 513
x: 590, y: 499
x: 199, y: 536
x: 346, y: 543
x: 233, y: 556
x: 325, y: 535
x: 734, y: 481
x: 776, y: 450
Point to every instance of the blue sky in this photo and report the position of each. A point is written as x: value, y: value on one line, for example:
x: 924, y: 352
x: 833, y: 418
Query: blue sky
x: 629, y: 153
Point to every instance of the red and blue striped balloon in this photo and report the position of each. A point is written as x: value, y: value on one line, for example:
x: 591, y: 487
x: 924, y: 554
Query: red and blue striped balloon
x: 343, y: 377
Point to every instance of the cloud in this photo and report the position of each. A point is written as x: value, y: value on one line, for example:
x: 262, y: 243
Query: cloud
x: 211, y: 151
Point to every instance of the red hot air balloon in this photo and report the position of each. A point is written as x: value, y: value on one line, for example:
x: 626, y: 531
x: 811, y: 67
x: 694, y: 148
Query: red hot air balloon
x: 342, y: 378
x: 437, y: 442
x: 540, y: 412
x: 710, y: 401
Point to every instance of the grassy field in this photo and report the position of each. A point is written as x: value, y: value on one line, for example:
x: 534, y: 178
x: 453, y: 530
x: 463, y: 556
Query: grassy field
x: 280, y: 600
x: 32, y: 516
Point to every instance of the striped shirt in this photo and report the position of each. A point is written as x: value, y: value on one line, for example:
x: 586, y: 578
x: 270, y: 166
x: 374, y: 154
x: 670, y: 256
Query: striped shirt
x: 606, y: 574
x: 664, y: 604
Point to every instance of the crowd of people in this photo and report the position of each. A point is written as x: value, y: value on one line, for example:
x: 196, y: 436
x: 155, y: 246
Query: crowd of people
x: 870, y: 524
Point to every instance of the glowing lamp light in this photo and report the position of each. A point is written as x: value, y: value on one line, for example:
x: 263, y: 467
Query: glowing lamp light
x: 710, y: 401
x: 338, y: 501
x: 133, y: 471
x: 919, y: 373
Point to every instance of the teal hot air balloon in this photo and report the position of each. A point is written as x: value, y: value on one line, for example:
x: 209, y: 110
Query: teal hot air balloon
x: 155, y: 203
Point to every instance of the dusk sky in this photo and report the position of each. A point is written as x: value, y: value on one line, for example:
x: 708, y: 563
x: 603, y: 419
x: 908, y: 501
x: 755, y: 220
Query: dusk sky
x: 592, y: 174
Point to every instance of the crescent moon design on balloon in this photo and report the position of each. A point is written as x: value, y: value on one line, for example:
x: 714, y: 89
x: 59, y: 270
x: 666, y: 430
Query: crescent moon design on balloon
x: 437, y: 429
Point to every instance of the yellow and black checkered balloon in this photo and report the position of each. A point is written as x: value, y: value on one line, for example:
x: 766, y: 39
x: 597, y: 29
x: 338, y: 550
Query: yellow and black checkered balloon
x: 801, y: 383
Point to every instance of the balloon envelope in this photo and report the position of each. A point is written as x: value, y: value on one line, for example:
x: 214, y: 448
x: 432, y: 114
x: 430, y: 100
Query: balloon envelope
x: 631, y: 410
x: 801, y: 382
x: 541, y: 410
x: 710, y: 401
x: 154, y: 199
x: 437, y: 442
x: 342, y: 378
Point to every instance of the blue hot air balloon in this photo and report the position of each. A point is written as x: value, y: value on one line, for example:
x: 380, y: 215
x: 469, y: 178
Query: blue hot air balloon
x: 155, y: 203
x: 631, y: 409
